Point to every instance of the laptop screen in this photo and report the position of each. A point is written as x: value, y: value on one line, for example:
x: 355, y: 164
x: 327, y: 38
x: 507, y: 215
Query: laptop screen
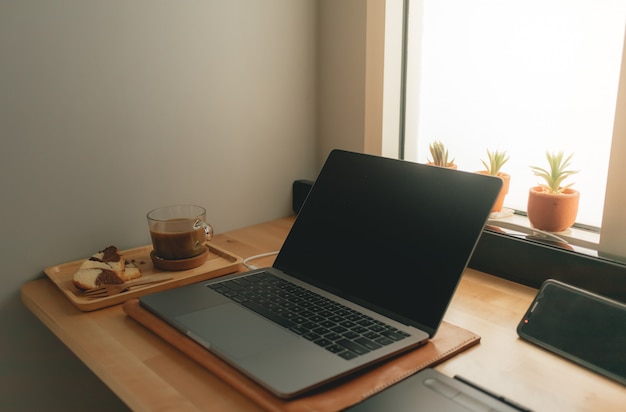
x: 391, y: 235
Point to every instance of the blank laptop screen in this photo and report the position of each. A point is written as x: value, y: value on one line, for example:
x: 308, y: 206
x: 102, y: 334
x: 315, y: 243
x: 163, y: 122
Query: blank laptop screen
x: 389, y: 234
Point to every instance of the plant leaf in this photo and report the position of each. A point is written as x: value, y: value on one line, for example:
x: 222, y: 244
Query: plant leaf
x: 557, y: 174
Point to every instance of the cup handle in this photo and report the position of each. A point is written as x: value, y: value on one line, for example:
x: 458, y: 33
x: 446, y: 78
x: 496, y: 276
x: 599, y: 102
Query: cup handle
x: 208, y: 229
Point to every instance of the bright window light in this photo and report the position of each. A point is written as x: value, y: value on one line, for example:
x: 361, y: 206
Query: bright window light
x: 525, y: 77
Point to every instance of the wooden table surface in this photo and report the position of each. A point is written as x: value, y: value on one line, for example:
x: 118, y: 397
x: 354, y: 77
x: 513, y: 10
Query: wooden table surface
x: 148, y: 374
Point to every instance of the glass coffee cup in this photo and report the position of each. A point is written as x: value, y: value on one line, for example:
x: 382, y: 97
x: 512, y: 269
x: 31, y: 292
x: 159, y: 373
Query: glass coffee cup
x: 179, y: 233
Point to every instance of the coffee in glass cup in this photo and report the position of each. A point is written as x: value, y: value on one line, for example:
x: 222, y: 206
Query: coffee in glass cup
x: 179, y: 234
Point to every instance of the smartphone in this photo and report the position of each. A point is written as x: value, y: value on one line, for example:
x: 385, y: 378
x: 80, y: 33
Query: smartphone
x: 581, y: 326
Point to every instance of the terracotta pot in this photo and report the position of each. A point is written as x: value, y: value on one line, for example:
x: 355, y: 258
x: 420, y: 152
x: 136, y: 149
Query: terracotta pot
x: 552, y: 212
x: 506, y: 180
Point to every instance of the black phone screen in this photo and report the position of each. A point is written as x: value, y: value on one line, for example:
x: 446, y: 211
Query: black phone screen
x: 583, y: 327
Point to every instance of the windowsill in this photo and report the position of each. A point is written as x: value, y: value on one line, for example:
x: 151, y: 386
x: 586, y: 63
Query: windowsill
x: 577, y: 239
x: 510, y: 249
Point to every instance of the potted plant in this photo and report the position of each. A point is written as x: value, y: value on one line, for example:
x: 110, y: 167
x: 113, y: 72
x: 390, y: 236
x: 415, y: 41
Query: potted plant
x: 496, y: 160
x: 439, y: 155
x: 553, y: 206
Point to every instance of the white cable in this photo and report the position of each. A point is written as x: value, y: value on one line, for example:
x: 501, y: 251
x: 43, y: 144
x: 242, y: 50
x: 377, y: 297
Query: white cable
x: 248, y: 259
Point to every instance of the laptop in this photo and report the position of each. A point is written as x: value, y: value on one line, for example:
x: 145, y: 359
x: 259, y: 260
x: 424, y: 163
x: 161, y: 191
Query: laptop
x: 429, y: 390
x: 365, y: 273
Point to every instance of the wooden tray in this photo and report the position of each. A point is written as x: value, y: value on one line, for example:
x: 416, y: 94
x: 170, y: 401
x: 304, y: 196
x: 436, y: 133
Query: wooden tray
x: 219, y: 262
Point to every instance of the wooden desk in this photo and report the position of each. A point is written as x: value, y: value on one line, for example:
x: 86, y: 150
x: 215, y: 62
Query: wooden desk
x: 148, y: 374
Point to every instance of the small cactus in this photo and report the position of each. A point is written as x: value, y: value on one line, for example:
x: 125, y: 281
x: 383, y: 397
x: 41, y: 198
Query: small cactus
x: 496, y: 161
x: 439, y: 155
x: 557, y: 173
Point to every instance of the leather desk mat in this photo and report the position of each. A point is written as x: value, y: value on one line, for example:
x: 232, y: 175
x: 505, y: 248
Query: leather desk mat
x: 449, y: 340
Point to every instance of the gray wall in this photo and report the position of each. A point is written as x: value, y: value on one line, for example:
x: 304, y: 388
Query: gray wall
x: 111, y: 108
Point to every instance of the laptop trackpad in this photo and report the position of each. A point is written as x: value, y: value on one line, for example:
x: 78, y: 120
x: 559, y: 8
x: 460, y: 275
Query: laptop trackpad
x: 233, y: 330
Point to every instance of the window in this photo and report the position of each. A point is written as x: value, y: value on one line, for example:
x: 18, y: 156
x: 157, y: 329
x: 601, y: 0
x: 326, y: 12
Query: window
x: 522, y: 77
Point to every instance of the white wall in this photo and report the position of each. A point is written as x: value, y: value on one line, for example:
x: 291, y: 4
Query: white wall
x: 613, y: 239
x: 111, y: 108
x: 341, y: 74
x: 350, y: 74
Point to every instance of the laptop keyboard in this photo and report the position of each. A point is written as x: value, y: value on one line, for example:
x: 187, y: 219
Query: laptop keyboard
x: 335, y: 327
